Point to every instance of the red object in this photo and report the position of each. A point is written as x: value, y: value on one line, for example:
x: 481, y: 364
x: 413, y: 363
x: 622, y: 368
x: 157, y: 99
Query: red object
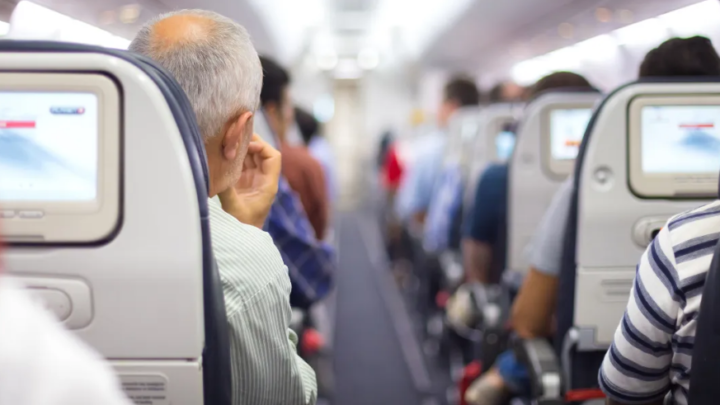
x: 393, y: 169
x: 312, y: 341
x: 470, y: 373
x: 442, y: 298
x: 17, y: 124
x: 584, y: 395
x: 710, y: 125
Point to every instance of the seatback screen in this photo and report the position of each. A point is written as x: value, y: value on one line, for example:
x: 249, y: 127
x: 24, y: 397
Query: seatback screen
x: 505, y: 141
x: 567, y: 128
x: 48, y: 146
x: 680, y: 139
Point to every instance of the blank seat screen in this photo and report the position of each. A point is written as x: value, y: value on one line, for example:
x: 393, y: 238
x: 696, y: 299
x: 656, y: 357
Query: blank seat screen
x: 48, y: 146
x: 567, y: 127
x: 680, y: 139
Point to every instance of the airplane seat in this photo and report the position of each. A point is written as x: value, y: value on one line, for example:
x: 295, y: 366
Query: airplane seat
x: 113, y: 233
x: 704, y: 387
x: 536, y: 169
x: 547, y: 143
x: 493, y: 144
x: 627, y: 184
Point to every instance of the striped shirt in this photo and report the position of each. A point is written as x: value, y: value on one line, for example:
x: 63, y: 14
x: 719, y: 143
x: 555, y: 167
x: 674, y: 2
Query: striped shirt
x: 265, y: 366
x: 651, y: 354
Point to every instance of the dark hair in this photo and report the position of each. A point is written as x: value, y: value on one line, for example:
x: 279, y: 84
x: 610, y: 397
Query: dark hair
x: 560, y: 80
x: 307, y: 123
x: 495, y: 95
x: 694, y: 56
x: 463, y: 91
x: 275, y: 80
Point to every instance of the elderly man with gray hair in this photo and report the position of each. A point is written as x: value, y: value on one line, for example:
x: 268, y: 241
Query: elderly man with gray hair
x: 216, y: 64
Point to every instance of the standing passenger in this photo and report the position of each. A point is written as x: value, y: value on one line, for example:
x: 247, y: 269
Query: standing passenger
x: 419, y: 182
x: 215, y: 63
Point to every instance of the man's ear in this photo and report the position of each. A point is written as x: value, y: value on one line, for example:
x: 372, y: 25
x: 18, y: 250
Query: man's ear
x: 235, y: 134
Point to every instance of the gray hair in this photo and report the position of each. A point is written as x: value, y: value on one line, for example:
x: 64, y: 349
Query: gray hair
x: 219, y: 71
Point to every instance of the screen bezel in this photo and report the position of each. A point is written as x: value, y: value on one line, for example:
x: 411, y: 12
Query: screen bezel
x: 558, y: 168
x: 68, y: 221
x: 665, y: 185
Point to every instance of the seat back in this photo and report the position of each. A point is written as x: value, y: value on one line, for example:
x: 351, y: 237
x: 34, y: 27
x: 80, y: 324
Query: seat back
x: 620, y: 201
x: 496, y: 122
x: 146, y: 295
x: 544, y: 154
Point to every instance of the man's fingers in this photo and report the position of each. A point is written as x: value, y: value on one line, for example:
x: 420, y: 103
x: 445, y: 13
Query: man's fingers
x: 262, y: 148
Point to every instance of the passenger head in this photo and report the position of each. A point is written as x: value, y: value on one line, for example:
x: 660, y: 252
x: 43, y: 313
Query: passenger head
x: 217, y: 66
x: 459, y: 92
x: 275, y: 97
x: 505, y: 92
x: 694, y: 56
x: 559, y: 80
x: 309, y: 126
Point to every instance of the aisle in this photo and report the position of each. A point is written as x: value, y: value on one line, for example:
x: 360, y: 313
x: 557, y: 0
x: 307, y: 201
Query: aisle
x: 371, y: 366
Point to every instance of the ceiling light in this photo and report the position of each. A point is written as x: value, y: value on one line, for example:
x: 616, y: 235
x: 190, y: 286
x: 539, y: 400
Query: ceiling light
x: 566, y: 30
x: 650, y: 31
x: 604, y: 15
x: 625, y: 16
x: 107, y: 17
x: 699, y: 18
x: 598, y: 48
x: 348, y: 69
x: 129, y: 13
x: 326, y: 60
x: 368, y: 59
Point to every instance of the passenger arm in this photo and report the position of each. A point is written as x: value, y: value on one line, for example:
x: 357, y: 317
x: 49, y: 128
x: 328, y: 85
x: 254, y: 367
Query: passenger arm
x: 265, y: 365
x: 310, y: 262
x: 480, y: 230
x: 637, y: 366
x: 316, y: 204
x: 477, y: 257
x: 534, y: 306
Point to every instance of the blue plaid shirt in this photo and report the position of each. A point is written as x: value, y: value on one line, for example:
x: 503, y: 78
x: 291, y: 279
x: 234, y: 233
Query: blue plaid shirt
x: 444, y: 205
x: 311, y: 263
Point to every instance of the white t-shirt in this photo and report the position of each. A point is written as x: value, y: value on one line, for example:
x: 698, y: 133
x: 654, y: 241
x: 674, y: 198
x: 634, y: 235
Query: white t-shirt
x: 43, y: 364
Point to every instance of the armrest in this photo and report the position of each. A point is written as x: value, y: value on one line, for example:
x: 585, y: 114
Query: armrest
x: 544, y: 369
x: 493, y: 303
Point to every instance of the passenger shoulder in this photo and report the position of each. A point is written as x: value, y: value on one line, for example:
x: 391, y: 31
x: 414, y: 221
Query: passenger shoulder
x: 247, y: 259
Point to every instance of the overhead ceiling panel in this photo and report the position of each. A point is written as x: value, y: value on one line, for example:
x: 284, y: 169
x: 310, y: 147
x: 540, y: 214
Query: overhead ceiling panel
x: 518, y: 29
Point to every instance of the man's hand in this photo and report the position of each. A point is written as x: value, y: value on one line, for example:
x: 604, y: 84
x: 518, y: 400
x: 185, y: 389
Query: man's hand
x: 249, y: 201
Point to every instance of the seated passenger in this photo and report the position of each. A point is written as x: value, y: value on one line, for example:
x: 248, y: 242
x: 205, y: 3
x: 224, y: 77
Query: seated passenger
x: 303, y: 173
x: 319, y: 148
x: 419, y: 182
x: 484, y: 251
x: 505, y: 92
x: 215, y: 63
x: 309, y: 260
x: 650, y: 360
x: 535, y: 304
x: 41, y: 363
x: 488, y: 214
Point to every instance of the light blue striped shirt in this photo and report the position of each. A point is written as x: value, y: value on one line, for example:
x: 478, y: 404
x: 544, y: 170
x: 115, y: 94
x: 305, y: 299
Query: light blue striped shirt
x: 651, y: 355
x: 265, y: 366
